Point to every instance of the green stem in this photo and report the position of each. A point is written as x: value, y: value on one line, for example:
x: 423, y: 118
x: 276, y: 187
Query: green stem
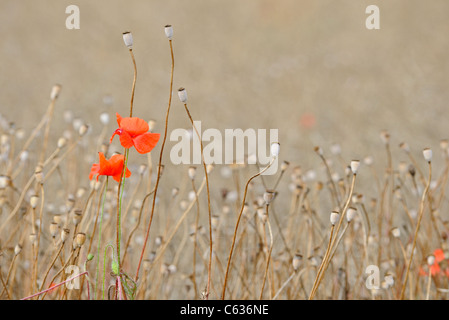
x: 99, y: 237
x: 119, y: 209
x: 104, y: 266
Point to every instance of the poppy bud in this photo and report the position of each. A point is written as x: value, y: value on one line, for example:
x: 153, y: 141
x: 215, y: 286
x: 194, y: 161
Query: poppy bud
x: 427, y: 152
x: 128, y: 39
x: 182, y: 93
x: 275, y: 149
x: 169, y: 31
x: 55, y: 91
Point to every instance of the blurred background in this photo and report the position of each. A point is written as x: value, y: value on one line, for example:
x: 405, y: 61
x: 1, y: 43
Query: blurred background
x: 309, y: 68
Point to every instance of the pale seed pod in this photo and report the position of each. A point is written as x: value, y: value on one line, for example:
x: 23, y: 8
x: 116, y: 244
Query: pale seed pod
x: 350, y: 214
x: 318, y: 150
x: 261, y: 213
x: 385, y: 137
x: 17, y: 249
x: 355, y: 164
x: 430, y: 260
x: 168, y: 31
x: 172, y: 269
x: 275, y: 149
x: 192, y: 172
x: 4, y: 182
x: 33, y: 238
x: 104, y: 118
x: 335, y: 149
x: 427, y: 152
x: 151, y: 125
x: 404, y: 146
x: 62, y: 142
x: 65, y: 234
x: 396, y: 232
x: 24, y: 155
x: 54, y: 228
x: 34, y: 200
x: 269, y: 196
x: 80, y: 239
x: 83, y: 130
x: 55, y: 90
x: 182, y: 94
x: 174, y: 192
x: 284, y: 165
x: 58, y: 219
x: 128, y: 39
x: 77, y: 216
x: 215, y: 219
x: 39, y: 175
x: 297, y: 261
x: 158, y: 241
x: 335, y: 215
x: 209, y: 168
x: 146, y: 264
x: 444, y: 144
x: 80, y: 192
x: 368, y: 160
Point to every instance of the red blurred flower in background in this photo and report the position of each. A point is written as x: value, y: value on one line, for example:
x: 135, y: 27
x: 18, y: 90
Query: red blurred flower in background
x: 112, y: 167
x: 134, y: 132
x: 435, y: 269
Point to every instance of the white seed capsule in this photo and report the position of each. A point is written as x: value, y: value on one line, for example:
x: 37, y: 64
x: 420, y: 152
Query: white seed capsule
x: 65, y: 234
x: 355, y: 164
x: 151, y: 125
x: 427, y: 152
x: 269, y: 196
x: 396, y: 232
x: 275, y: 149
x: 104, y: 118
x: 169, y: 31
x: 4, y: 182
x: 431, y: 260
x: 54, y: 229
x: 284, y: 165
x: 297, y: 260
x: 128, y: 39
x: 62, y: 142
x: 334, y: 217
x: 83, y: 129
x: 55, y: 91
x: 444, y: 144
x: 182, y: 94
x: 350, y: 214
x: 17, y: 249
x: 80, y: 239
x: 404, y: 146
x: 192, y: 172
x: 34, y: 201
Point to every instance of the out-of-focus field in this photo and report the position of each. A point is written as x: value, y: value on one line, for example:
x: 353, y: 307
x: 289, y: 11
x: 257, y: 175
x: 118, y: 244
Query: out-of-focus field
x: 309, y: 68
x: 251, y: 64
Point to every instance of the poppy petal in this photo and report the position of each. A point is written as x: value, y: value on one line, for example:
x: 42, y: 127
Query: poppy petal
x: 119, y: 119
x: 146, y: 142
x: 435, y: 269
x: 134, y: 126
x: 94, y: 170
x: 126, y: 140
x: 439, y: 255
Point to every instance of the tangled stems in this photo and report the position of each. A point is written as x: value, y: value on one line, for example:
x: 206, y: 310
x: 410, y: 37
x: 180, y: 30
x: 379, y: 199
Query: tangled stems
x: 237, y: 225
x: 421, y: 211
x: 160, y: 162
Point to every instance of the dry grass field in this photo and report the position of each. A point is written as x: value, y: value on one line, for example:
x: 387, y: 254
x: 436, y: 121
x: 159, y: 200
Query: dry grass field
x: 341, y: 96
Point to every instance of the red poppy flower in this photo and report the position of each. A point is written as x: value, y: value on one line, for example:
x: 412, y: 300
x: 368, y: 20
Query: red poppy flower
x: 134, y: 132
x: 112, y: 167
x: 435, y: 269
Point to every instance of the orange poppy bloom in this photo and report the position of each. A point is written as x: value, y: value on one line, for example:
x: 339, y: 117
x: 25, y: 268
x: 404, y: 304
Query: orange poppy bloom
x: 134, y: 132
x: 112, y: 167
x: 435, y: 269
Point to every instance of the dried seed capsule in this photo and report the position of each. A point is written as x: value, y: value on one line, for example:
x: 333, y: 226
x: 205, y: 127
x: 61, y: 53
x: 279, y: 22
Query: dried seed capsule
x: 128, y: 39
x: 80, y: 239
